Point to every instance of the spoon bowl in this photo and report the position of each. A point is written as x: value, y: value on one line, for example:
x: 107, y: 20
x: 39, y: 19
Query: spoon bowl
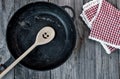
x: 45, y: 35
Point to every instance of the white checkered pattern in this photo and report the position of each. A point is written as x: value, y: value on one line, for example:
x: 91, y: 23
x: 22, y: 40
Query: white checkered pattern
x: 106, y: 27
x: 90, y: 13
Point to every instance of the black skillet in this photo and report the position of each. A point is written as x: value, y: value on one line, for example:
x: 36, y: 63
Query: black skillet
x: 24, y: 26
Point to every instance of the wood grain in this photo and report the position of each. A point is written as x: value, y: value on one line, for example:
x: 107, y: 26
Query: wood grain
x: 6, y: 9
x: 88, y: 61
x: 118, y: 6
x: 69, y: 69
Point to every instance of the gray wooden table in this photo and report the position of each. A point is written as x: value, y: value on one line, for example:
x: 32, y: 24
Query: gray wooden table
x: 88, y: 61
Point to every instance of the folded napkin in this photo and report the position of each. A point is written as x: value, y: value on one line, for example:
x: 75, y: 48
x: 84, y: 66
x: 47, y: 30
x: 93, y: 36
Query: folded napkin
x: 96, y: 15
x: 105, y: 27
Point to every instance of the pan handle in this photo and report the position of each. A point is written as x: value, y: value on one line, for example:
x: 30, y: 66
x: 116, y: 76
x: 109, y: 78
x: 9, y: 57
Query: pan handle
x: 6, y: 64
x: 70, y: 8
x: 2, y: 68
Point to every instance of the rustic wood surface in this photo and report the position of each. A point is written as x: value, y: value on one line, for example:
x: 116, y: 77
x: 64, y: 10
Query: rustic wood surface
x: 88, y: 61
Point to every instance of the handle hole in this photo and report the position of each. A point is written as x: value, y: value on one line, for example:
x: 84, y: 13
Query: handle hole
x: 69, y: 11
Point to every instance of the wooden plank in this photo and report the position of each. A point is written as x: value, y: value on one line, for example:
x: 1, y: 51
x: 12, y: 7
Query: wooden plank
x: 118, y: 6
x: 92, y: 62
x: 114, y: 57
x: 89, y: 51
x: 81, y: 29
x: 106, y: 65
x: 81, y: 63
x: 19, y: 3
x: 69, y: 69
x: 20, y: 71
x: 6, y: 10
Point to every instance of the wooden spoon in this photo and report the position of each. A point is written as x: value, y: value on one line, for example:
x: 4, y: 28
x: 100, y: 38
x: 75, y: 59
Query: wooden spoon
x: 44, y: 36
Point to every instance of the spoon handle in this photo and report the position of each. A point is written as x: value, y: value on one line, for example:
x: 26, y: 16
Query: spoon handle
x: 17, y: 61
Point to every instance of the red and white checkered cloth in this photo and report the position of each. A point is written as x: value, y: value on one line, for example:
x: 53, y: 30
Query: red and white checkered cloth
x: 102, y: 26
x: 106, y: 26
